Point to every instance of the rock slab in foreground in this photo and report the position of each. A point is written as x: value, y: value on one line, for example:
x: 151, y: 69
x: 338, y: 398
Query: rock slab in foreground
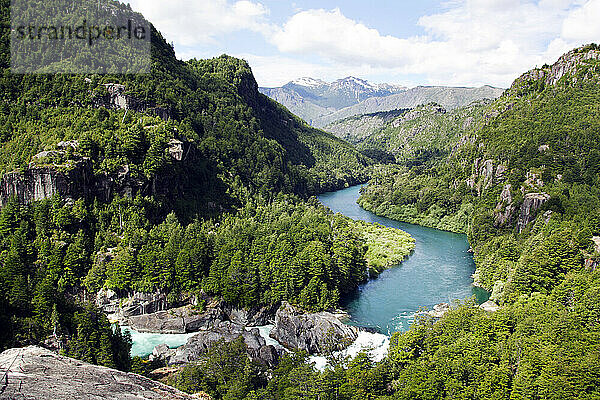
x: 37, y: 373
x: 316, y: 333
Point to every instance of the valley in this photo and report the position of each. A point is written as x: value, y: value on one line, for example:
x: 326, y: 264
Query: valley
x: 187, y: 233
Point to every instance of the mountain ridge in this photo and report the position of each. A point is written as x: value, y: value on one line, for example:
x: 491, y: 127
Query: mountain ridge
x: 321, y: 103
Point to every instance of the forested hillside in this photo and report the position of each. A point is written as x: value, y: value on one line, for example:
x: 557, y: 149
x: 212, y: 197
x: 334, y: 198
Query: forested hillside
x: 524, y: 185
x: 181, y: 181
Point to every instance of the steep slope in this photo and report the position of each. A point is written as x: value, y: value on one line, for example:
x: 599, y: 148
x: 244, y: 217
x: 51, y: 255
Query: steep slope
x: 430, y: 128
x: 191, y: 132
x: 143, y: 184
x: 356, y: 128
x: 526, y: 184
x: 525, y: 170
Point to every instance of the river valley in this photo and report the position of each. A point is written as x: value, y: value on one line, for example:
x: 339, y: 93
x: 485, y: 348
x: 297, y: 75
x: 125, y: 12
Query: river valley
x: 439, y: 270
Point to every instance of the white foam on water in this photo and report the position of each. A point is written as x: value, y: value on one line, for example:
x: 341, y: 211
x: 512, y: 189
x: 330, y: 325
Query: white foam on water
x: 402, y: 321
x: 376, y: 344
x: 144, y: 343
x: 265, y: 330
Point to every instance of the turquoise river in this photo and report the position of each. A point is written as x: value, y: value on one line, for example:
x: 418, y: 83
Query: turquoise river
x: 439, y: 270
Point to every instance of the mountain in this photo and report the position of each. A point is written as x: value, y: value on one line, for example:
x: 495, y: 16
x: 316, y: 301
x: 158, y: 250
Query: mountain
x: 522, y: 182
x: 358, y: 127
x: 321, y: 103
x: 311, y: 98
x: 193, y: 134
x: 167, y: 184
x: 428, y: 128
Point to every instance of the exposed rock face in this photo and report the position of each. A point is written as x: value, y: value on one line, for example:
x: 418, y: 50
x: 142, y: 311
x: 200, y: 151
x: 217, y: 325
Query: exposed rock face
x: 568, y: 64
x: 76, y: 179
x: 38, y: 183
x: 489, y: 306
x: 117, y: 98
x: 531, y: 203
x: 439, y: 310
x: 144, y: 316
x: 176, y: 149
x: 176, y: 320
x: 314, y: 333
x: 136, y: 304
x: 485, y: 175
x: 504, y: 209
x: 226, y: 331
x: 36, y: 373
x: 250, y: 317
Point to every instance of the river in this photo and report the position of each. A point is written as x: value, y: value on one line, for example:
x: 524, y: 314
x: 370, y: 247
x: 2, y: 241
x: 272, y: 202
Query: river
x: 439, y: 270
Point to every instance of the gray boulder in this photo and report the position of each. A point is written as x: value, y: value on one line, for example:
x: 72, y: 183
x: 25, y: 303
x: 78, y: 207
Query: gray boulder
x: 439, y: 310
x: 250, y: 317
x: 37, y: 373
x: 489, y: 306
x: 225, y: 331
x: 316, y: 333
x: 176, y: 320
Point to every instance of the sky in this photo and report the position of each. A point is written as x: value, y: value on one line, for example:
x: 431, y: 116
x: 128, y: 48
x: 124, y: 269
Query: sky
x: 410, y: 43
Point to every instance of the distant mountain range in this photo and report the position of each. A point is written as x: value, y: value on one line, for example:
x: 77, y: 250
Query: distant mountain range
x: 321, y: 103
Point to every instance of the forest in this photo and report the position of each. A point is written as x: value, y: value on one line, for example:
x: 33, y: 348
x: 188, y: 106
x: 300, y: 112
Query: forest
x: 230, y: 214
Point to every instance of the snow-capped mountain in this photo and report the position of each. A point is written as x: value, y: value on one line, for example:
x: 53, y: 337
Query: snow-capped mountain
x: 320, y: 103
x: 309, y: 82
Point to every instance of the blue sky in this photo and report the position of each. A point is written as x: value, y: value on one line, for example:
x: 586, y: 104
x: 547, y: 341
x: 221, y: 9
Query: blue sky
x: 450, y: 42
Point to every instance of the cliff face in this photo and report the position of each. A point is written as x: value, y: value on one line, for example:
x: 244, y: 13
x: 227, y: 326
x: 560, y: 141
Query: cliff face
x: 39, y: 183
x: 76, y: 179
x: 568, y: 64
x: 37, y: 373
x: 116, y: 97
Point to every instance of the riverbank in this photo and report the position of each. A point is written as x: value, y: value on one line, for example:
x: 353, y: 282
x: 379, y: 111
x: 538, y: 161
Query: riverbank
x: 438, y: 271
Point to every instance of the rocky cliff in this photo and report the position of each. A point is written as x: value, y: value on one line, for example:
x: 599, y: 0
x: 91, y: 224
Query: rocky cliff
x: 35, y: 373
x: 575, y: 65
x: 37, y: 183
x: 72, y: 176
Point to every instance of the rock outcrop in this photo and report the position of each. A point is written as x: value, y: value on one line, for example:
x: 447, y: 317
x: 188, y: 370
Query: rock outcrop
x: 489, y: 306
x: 505, y: 208
x: 485, y: 174
x: 41, y: 182
x: 568, y: 64
x: 251, y: 316
x: 531, y: 203
x: 116, y: 97
x: 149, y: 313
x: 176, y: 320
x: 37, y: 373
x: 315, y: 333
x: 257, y: 348
x: 136, y: 303
x: 439, y: 310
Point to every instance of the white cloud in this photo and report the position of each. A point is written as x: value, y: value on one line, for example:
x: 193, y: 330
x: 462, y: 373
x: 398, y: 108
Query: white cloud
x: 190, y: 23
x: 466, y: 42
x: 583, y: 24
